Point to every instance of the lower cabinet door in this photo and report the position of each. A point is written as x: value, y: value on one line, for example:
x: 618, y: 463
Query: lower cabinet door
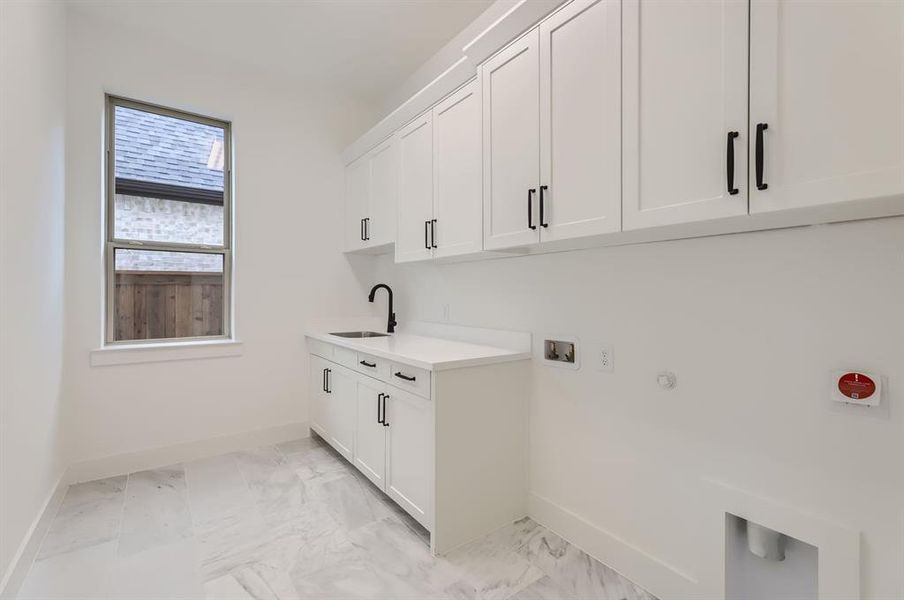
x: 370, y: 444
x: 341, y: 403
x: 318, y: 408
x: 410, y: 444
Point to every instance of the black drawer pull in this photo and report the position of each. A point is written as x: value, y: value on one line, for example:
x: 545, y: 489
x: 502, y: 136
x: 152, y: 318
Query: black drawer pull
x: 367, y: 364
x: 543, y: 222
x: 760, y: 151
x: 400, y: 375
x: 385, y: 422
x: 530, y: 208
x: 324, y: 380
x: 366, y: 228
x: 729, y: 163
x: 362, y: 230
x: 433, y: 232
x: 328, y: 390
x: 379, y: 400
x: 427, y: 235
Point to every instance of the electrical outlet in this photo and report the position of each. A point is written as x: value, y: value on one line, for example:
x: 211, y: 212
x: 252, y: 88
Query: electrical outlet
x: 605, y: 360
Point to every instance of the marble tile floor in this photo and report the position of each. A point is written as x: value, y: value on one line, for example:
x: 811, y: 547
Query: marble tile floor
x: 288, y: 521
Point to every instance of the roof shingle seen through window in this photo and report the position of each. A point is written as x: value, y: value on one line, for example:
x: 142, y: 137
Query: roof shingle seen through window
x: 160, y: 149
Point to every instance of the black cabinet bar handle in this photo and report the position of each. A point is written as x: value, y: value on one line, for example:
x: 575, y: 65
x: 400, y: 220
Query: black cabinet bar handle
x: 379, y: 400
x: 530, y: 208
x: 543, y: 222
x: 400, y: 375
x: 324, y: 380
x: 328, y: 390
x: 366, y: 228
x: 367, y: 364
x: 385, y: 422
x: 362, y: 230
x: 760, y: 128
x: 729, y: 163
x: 433, y: 232
x: 427, y: 235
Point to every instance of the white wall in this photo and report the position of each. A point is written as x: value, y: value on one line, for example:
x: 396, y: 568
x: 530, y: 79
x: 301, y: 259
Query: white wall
x: 288, y: 263
x: 752, y: 324
x: 32, y: 152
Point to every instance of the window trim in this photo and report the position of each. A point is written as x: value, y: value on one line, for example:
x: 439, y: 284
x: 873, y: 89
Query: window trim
x: 112, y: 243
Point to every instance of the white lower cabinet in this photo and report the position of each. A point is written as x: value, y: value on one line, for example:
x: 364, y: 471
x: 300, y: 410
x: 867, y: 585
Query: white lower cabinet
x: 319, y: 372
x: 341, y: 406
x: 370, y: 446
x: 393, y: 444
x: 450, y: 449
x: 408, y: 419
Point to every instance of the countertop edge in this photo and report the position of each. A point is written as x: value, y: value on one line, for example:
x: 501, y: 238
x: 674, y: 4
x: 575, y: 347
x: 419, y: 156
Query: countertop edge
x: 349, y: 343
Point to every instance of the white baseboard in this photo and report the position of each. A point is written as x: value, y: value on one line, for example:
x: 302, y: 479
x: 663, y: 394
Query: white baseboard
x: 649, y: 572
x: 130, y: 462
x: 31, y: 543
x: 151, y: 458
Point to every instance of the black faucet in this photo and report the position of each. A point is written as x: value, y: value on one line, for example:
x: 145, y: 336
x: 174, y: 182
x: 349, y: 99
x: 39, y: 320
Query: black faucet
x: 390, y: 325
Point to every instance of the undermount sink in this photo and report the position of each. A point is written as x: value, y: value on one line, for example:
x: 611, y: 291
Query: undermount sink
x: 359, y: 334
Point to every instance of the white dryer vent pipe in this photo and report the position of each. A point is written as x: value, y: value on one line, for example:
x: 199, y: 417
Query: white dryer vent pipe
x: 764, y: 542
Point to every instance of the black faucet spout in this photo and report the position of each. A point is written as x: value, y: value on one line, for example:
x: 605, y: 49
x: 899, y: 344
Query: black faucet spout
x: 391, y: 321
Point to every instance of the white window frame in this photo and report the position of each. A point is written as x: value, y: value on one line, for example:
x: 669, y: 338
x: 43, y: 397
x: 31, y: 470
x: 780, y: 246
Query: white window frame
x: 112, y: 243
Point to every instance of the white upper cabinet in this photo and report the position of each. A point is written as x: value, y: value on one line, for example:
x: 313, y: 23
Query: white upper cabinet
x: 415, y: 209
x: 511, y: 144
x: 685, y: 110
x: 381, y: 227
x: 458, y: 173
x: 580, y: 120
x: 370, y: 198
x: 826, y: 102
x: 357, y: 191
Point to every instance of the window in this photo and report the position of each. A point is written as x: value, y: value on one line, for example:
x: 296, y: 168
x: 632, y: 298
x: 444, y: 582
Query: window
x: 168, y: 251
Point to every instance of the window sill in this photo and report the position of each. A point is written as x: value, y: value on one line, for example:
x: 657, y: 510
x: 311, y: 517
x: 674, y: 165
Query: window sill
x: 160, y: 352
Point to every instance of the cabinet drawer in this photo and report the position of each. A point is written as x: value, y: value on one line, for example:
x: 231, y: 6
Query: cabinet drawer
x: 321, y: 349
x: 345, y: 357
x: 373, y: 366
x: 410, y: 378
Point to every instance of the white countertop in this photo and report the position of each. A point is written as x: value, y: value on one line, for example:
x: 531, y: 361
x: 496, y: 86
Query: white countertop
x: 431, y: 353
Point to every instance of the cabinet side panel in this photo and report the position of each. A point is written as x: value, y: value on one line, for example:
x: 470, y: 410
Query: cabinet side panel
x: 481, y: 451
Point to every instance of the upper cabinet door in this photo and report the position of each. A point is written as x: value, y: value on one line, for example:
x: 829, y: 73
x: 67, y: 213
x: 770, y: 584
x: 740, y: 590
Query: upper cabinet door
x: 415, y: 210
x: 684, y: 111
x: 458, y: 169
x: 357, y: 189
x: 826, y: 102
x: 380, y: 229
x: 580, y: 120
x: 511, y: 144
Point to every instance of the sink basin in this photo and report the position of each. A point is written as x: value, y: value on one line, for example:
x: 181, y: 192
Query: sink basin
x: 359, y: 334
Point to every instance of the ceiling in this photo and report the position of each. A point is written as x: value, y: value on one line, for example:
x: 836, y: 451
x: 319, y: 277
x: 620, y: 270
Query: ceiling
x: 364, y: 48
